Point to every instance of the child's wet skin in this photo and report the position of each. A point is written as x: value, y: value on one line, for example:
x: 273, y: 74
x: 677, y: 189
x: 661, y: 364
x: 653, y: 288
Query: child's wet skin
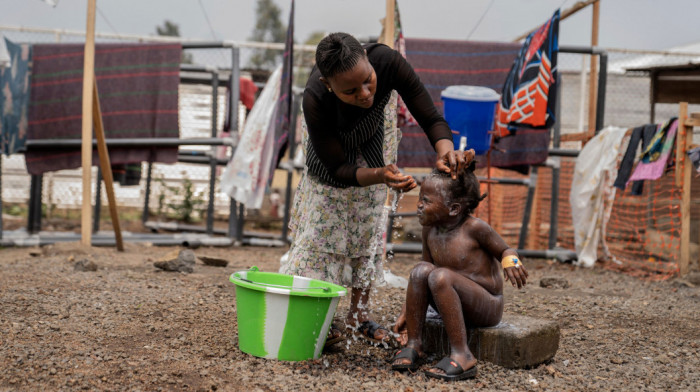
x: 461, y: 274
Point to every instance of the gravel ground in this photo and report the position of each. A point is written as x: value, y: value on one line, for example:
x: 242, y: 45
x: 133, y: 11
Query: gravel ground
x: 130, y: 326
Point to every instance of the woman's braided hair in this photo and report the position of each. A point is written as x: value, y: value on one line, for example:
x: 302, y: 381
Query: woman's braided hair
x: 337, y: 53
x: 465, y: 190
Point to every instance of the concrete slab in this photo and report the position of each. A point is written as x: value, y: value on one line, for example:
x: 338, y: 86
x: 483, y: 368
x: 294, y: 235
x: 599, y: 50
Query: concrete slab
x: 517, y: 342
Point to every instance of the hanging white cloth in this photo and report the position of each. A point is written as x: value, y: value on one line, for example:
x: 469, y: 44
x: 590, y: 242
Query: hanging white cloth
x: 248, y: 171
x: 592, y: 191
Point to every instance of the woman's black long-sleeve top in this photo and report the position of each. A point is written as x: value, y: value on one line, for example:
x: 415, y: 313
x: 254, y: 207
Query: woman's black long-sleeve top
x: 326, y: 115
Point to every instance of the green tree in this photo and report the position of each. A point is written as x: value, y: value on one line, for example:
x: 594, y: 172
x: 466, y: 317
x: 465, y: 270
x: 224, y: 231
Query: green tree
x: 268, y: 28
x: 308, y: 58
x: 305, y: 60
x: 185, y: 201
x: 170, y: 29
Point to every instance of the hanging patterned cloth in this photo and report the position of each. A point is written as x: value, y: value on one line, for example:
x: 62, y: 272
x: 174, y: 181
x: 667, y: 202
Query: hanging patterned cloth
x: 283, y: 112
x: 138, y: 88
x: 14, y: 98
x: 654, y: 160
x: 529, y: 93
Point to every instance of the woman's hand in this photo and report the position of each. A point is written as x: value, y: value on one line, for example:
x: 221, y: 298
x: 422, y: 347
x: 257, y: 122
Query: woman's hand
x: 392, y: 177
x: 451, y: 161
x: 454, y: 162
x: 389, y: 175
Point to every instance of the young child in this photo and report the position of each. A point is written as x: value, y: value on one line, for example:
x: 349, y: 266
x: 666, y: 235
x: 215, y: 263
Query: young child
x: 459, y: 277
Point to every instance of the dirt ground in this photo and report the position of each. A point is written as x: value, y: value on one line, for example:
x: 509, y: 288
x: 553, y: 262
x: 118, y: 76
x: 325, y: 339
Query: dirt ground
x: 129, y: 326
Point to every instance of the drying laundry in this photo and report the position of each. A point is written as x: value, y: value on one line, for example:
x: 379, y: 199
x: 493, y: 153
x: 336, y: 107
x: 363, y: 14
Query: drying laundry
x: 592, y: 192
x: 653, y: 170
x: 247, y: 173
x: 443, y: 63
x: 283, y: 112
x: 694, y: 156
x: 14, y: 98
x: 644, y: 133
x: 657, y: 143
x: 529, y: 93
x: 138, y: 88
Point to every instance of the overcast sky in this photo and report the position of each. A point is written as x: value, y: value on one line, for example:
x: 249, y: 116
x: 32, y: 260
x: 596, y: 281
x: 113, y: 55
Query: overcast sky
x: 632, y: 24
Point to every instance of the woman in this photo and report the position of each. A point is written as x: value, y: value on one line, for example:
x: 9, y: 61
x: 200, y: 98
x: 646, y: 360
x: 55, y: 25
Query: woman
x: 349, y: 136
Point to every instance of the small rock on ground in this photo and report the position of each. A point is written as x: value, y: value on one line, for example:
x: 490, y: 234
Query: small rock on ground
x: 85, y: 265
x: 184, y: 262
x: 554, y: 283
x: 213, y: 261
x: 693, y: 277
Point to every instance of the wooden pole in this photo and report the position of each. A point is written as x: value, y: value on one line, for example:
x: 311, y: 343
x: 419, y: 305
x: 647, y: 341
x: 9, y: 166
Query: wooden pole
x: 535, y: 217
x: 683, y: 177
x: 593, y: 75
x: 86, y: 147
x: 106, y: 167
x: 565, y: 14
x: 389, y: 27
x: 388, y: 38
x: 389, y: 33
x: 489, y: 205
x: 682, y: 115
x: 389, y: 23
x: 695, y: 122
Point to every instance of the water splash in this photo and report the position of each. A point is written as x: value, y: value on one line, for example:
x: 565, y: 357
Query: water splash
x: 380, y: 229
x: 378, y: 240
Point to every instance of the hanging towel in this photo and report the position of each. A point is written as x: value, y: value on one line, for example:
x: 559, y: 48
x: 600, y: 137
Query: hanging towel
x: 592, y: 192
x: 656, y: 145
x: 653, y: 170
x: 645, y: 134
x: 14, y: 98
x: 443, y: 63
x: 529, y: 93
x: 247, y: 173
x: 138, y: 88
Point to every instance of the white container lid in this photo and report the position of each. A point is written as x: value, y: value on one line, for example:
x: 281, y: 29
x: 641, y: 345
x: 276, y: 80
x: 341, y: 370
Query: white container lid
x: 471, y: 93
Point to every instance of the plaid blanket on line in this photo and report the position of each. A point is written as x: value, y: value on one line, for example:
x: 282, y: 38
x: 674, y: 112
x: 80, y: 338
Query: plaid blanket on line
x: 138, y: 87
x: 443, y: 63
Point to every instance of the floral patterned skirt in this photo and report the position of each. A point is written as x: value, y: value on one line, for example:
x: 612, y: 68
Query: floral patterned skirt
x: 337, y: 233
